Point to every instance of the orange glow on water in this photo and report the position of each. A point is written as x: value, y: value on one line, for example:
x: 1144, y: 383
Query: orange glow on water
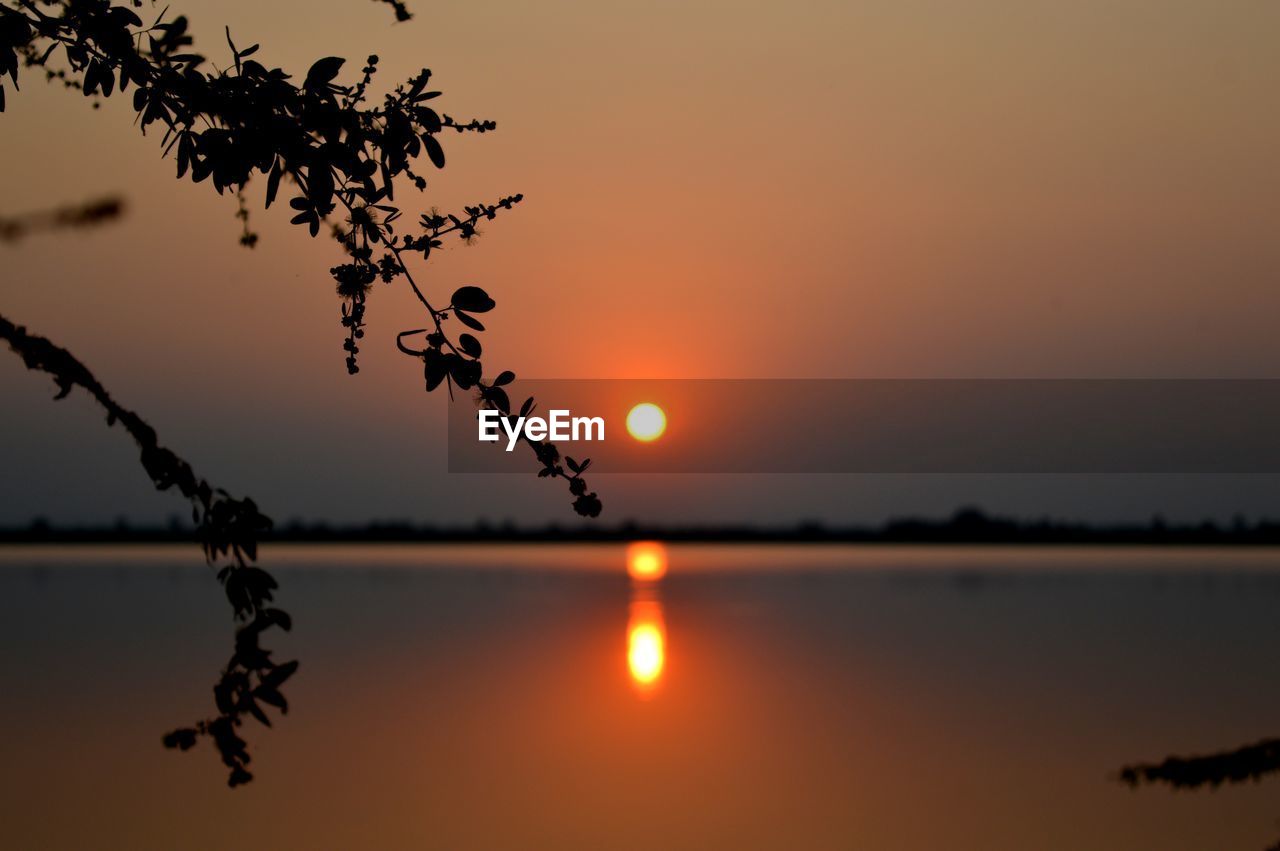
x: 646, y: 644
x: 646, y: 560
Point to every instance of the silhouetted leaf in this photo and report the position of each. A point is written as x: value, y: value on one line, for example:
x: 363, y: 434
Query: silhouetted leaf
x: 465, y: 373
x: 472, y: 299
x: 435, y: 368
x: 272, y: 697
x: 182, y: 739
x: 277, y: 675
x: 588, y: 505
x: 434, y: 151
x: 499, y: 398
x: 279, y: 618
x: 273, y: 181
x: 469, y: 344
x: 256, y: 711
x: 323, y: 71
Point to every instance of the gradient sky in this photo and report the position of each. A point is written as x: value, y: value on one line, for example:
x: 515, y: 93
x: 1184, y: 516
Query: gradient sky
x: 714, y: 189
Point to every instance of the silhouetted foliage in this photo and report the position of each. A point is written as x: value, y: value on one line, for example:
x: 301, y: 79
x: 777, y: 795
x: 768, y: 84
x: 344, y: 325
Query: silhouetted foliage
x: 228, y: 529
x: 1251, y: 762
x: 1248, y: 763
x: 89, y: 214
x: 227, y: 125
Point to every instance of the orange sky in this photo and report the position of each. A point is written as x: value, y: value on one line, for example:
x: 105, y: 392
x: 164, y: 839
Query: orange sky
x: 713, y: 189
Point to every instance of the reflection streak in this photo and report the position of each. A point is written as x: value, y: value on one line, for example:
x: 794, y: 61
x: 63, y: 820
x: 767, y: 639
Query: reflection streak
x: 646, y: 629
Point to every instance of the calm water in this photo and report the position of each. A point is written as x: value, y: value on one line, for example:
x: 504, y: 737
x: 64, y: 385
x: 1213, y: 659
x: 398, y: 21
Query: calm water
x: 756, y: 697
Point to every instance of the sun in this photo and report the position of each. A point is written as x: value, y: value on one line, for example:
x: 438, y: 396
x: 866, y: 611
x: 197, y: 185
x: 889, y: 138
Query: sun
x: 646, y: 422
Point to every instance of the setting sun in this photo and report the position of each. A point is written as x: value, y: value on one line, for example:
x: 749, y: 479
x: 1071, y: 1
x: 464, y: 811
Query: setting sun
x: 646, y: 422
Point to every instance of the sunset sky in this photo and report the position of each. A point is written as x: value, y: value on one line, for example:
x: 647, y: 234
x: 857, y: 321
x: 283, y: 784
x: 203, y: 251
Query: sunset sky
x: 713, y: 190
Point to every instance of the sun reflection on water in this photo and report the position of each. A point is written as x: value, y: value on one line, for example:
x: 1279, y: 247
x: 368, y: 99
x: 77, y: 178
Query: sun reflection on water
x: 646, y: 560
x: 646, y: 644
x: 646, y: 629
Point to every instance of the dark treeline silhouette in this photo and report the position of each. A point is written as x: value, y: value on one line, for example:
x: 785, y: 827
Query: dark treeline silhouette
x: 968, y: 525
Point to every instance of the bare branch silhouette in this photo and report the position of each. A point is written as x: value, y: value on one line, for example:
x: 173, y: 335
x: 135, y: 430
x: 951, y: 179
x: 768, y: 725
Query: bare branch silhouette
x: 228, y: 530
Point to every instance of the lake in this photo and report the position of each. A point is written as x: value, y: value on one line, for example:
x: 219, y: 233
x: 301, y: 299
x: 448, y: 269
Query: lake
x: 753, y: 697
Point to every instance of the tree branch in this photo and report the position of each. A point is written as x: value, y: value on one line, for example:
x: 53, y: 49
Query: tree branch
x: 89, y: 214
x: 226, y: 125
x: 1251, y: 762
x: 229, y: 529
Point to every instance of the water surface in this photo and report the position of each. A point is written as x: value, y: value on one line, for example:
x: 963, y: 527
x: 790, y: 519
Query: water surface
x: 754, y: 697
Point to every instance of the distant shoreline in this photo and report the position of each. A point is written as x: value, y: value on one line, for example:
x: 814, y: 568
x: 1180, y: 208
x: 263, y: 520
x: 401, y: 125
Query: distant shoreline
x: 968, y: 526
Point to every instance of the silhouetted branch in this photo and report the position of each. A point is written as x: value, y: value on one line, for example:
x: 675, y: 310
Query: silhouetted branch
x: 89, y: 214
x: 246, y: 119
x: 401, y: 10
x: 1251, y: 762
x: 228, y: 529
